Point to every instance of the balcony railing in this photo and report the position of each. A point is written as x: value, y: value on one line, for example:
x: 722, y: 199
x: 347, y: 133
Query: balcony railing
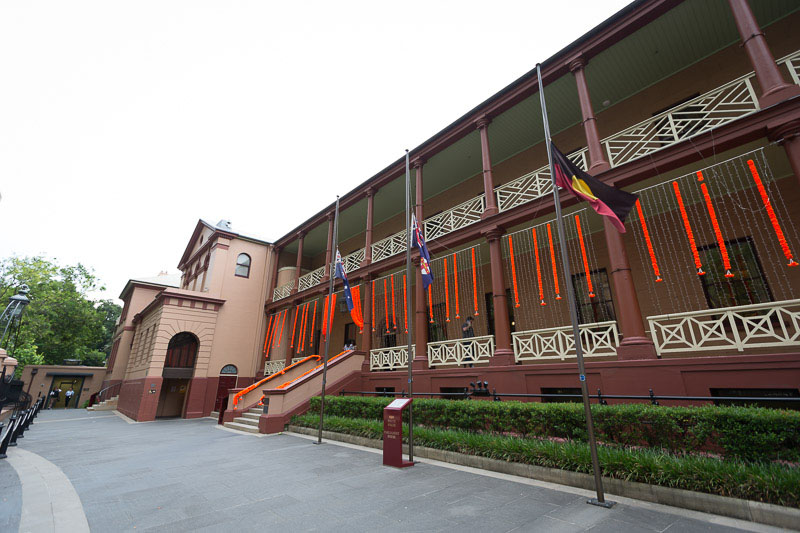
x: 352, y: 262
x: 739, y: 328
x: 719, y: 106
x: 282, y: 292
x: 597, y: 340
x: 271, y: 367
x: 311, y: 279
x: 394, y: 358
x: 461, y: 351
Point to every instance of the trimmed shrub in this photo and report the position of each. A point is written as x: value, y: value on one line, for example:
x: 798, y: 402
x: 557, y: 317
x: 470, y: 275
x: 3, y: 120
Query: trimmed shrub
x: 769, y: 483
x: 747, y: 433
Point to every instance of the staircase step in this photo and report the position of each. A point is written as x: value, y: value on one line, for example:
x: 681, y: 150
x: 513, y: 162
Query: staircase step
x: 256, y: 410
x: 251, y: 415
x: 246, y: 421
x: 215, y: 414
x: 242, y: 427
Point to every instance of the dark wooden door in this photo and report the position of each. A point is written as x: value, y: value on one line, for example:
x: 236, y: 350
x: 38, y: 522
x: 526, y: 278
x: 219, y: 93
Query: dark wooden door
x: 225, y: 383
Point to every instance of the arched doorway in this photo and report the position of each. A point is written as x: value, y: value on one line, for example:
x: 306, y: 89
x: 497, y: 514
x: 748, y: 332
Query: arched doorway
x: 178, y: 370
x: 228, y: 376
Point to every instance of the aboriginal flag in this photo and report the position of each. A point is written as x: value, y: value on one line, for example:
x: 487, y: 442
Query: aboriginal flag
x: 606, y: 200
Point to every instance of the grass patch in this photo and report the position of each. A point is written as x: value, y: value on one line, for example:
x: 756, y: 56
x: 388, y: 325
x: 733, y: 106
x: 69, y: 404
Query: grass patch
x: 765, y: 482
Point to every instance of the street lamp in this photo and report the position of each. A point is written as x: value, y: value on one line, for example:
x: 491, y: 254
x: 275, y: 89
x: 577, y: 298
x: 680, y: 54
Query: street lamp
x: 13, y: 319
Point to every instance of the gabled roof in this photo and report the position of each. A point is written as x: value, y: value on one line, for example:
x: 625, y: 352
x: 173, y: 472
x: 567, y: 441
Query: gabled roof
x: 161, y: 281
x: 216, y: 230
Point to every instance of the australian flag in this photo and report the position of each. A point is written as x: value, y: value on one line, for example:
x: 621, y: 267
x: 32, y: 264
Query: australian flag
x: 424, y: 256
x: 342, y: 275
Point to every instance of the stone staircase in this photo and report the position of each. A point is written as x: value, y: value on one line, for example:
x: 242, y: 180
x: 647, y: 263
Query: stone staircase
x: 247, y: 422
x: 105, y: 405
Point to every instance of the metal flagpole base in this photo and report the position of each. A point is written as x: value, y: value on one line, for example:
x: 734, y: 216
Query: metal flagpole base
x: 607, y: 504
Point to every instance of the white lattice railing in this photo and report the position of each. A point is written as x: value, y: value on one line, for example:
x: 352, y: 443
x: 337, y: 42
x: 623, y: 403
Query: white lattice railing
x: 740, y: 328
x: 353, y: 261
x: 393, y: 358
x: 311, y: 279
x: 270, y: 367
x: 461, y: 351
x: 455, y: 218
x: 792, y: 62
x: 524, y: 189
x: 391, y: 245
x: 597, y: 339
x: 282, y: 292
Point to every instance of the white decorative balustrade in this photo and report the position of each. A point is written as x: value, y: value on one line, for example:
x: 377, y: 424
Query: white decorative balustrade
x: 282, y: 292
x: 524, y: 189
x: 271, y: 367
x: 793, y: 64
x: 743, y: 327
x: 461, y: 351
x: 353, y: 261
x: 393, y: 358
x: 597, y: 340
x: 454, y: 219
x: 311, y: 279
x: 392, y: 245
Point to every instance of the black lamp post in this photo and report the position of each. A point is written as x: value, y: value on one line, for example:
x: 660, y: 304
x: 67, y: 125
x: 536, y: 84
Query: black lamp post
x: 12, y: 316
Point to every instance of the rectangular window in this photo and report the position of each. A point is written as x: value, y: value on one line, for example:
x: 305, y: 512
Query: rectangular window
x: 454, y: 393
x: 758, y: 393
x: 437, y: 329
x: 600, y: 308
x: 562, y: 390
x: 384, y: 390
x: 748, y: 284
x: 350, y: 331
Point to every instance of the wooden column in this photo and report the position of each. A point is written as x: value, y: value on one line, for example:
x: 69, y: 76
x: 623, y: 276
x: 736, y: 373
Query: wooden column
x: 299, y: 265
x: 635, y: 343
x: 488, y: 181
x: 788, y: 136
x: 503, y: 353
x: 773, y: 87
x: 420, y: 316
x: 370, y: 192
x: 328, y: 250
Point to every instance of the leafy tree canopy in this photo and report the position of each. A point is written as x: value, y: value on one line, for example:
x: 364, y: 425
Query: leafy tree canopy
x: 61, y: 322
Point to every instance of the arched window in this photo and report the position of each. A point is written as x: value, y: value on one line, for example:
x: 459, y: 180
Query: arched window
x: 229, y: 369
x: 181, y: 351
x: 243, y: 266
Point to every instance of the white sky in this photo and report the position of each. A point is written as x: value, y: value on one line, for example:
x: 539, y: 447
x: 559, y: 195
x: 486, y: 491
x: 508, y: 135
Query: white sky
x: 122, y: 123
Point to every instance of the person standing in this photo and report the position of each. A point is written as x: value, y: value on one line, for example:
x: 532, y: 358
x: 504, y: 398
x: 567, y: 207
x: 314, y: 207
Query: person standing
x: 467, y: 332
x: 69, y: 394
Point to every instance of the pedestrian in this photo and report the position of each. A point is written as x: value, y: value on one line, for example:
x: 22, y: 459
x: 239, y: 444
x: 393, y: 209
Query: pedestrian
x: 68, y: 395
x: 52, y: 399
x: 467, y: 331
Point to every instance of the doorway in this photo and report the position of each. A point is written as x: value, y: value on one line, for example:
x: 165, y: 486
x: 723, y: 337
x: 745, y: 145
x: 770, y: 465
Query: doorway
x: 227, y: 380
x: 64, y: 384
x: 172, y: 397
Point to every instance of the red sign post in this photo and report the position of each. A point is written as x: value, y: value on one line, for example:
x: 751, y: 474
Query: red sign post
x: 393, y: 433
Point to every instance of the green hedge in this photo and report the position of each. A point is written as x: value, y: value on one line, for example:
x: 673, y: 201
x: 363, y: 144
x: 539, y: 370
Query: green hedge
x: 770, y: 483
x: 747, y: 433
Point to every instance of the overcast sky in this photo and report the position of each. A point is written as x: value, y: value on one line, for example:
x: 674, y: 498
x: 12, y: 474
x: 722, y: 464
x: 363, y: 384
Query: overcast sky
x: 122, y: 123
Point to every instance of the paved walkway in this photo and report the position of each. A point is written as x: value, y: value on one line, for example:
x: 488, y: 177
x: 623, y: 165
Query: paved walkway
x: 76, y: 467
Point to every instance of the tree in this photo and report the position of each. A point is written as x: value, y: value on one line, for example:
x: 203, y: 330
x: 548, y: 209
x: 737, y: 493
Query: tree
x: 61, y: 322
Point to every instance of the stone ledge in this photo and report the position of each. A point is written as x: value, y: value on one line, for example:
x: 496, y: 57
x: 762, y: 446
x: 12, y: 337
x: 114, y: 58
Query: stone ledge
x: 759, y: 512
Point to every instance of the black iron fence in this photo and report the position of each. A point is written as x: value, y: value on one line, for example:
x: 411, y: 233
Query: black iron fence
x: 19, y: 422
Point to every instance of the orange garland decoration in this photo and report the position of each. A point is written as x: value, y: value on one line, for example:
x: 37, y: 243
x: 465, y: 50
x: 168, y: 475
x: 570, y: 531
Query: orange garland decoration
x: 430, y: 304
x: 358, y: 317
x: 394, y: 315
x: 474, y: 283
x: 446, y: 292
x: 647, y: 240
x: 325, y: 318
x: 332, y: 310
x: 553, y: 261
x: 238, y: 396
x: 269, y: 330
x: 771, y: 213
x: 688, y: 227
x: 513, y: 270
x: 386, y: 305
x: 538, y: 267
x: 405, y: 304
x: 723, y: 250
x: 294, y: 326
x: 313, y: 325
x: 303, y: 329
x: 455, y: 283
x: 585, y: 260
x: 280, y: 338
x: 373, y: 305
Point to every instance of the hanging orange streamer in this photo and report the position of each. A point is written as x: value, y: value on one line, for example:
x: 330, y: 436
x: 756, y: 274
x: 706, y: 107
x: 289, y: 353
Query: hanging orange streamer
x: 474, y: 283
x: 771, y: 213
x: 386, y: 305
x: 269, y: 330
x: 358, y: 317
x: 553, y: 261
x: 430, y: 304
x: 405, y: 304
x: 513, y: 270
x: 723, y: 250
x: 394, y: 315
x: 294, y: 325
x: 313, y: 325
x: 647, y: 240
x: 303, y: 329
x: 271, y: 334
x: 283, y: 323
x: 538, y: 267
x: 585, y: 259
x: 455, y: 284
x: 446, y: 292
x: 373, y: 305
x: 325, y: 317
x: 688, y: 227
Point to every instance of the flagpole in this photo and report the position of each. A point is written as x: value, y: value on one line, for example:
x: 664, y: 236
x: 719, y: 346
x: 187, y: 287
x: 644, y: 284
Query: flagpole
x: 573, y: 310
x: 328, y: 319
x: 410, y: 334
